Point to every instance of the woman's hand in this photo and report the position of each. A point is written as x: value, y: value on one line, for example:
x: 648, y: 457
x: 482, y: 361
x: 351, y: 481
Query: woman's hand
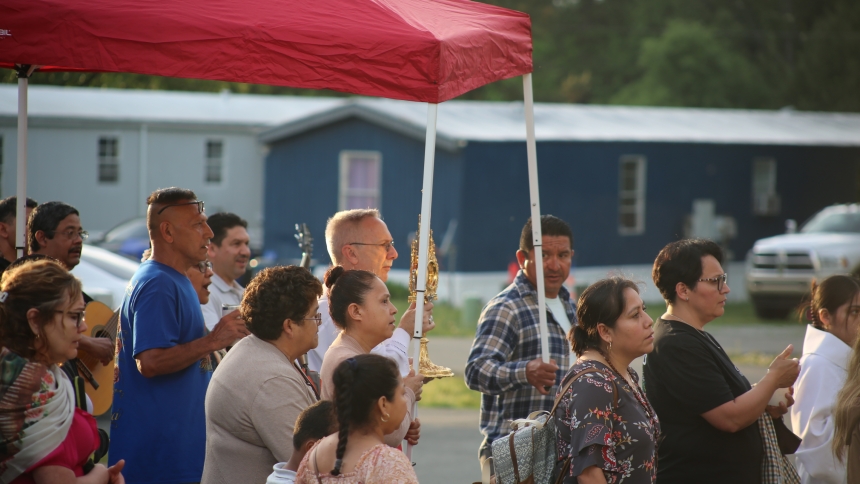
x: 782, y: 409
x: 115, y: 473
x: 407, y: 322
x: 783, y: 371
x: 591, y: 475
x: 414, y: 432
x: 414, y: 382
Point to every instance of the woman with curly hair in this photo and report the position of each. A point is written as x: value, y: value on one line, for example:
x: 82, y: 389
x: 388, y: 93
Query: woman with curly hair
x: 46, y: 439
x: 258, y: 390
x: 834, y: 314
x: 370, y: 401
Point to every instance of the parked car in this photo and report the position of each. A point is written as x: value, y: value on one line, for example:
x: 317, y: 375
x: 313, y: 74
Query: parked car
x: 780, y: 269
x: 129, y: 239
x: 104, y: 274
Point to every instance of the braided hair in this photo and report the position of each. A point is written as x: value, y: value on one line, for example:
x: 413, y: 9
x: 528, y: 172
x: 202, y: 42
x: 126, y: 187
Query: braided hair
x: 359, y: 382
x: 832, y: 293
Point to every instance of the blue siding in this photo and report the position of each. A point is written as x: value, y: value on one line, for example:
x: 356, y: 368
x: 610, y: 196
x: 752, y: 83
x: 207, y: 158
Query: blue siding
x: 301, y: 185
x: 485, y: 187
x: 579, y: 183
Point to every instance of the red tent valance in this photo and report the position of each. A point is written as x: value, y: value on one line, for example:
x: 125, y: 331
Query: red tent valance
x: 418, y: 50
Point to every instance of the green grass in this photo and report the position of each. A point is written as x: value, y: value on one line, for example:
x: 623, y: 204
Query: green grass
x: 736, y: 314
x: 449, y: 393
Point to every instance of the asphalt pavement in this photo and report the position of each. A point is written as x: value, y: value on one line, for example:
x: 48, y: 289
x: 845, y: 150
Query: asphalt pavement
x: 448, y: 449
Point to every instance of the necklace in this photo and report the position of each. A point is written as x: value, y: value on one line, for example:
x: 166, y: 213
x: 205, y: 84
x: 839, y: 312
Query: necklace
x: 637, y: 391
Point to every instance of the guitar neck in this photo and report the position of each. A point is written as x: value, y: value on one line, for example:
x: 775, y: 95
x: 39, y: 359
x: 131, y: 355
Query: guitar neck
x: 306, y: 260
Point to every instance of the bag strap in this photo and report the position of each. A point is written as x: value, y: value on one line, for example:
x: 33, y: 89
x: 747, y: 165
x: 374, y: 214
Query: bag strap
x: 514, y: 453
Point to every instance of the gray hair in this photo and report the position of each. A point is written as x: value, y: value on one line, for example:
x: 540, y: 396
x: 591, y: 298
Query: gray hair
x: 341, y: 229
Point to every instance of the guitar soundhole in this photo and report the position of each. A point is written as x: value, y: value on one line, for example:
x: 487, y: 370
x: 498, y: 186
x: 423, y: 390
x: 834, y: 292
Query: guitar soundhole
x: 100, y: 333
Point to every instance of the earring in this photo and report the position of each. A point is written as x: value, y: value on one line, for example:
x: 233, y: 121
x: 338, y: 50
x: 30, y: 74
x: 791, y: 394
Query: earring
x: 610, y: 346
x: 385, y: 419
x: 688, y: 298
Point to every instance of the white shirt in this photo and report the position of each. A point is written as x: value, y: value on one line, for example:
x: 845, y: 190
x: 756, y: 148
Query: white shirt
x: 220, y: 293
x: 281, y: 475
x: 396, y: 347
x: 823, y: 369
x: 558, y: 313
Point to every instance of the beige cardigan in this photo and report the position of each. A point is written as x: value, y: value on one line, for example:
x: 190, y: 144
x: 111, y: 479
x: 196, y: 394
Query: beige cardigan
x: 344, y: 347
x: 252, y: 404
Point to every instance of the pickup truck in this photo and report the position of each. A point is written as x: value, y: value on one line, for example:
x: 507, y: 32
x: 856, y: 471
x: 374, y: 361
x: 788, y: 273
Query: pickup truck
x: 780, y: 269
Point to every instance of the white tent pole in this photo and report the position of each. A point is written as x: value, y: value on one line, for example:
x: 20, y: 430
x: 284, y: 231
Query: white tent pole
x: 534, y: 197
x: 21, y: 190
x: 423, y: 242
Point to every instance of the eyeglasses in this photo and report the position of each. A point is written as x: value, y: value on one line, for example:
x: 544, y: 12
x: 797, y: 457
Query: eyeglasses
x: 72, y: 234
x: 199, y: 204
x: 317, y: 317
x: 204, y: 266
x: 78, y: 316
x: 720, y: 280
x: 385, y: 245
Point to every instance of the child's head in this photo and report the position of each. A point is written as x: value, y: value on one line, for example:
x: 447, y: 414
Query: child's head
x: 314, y: 423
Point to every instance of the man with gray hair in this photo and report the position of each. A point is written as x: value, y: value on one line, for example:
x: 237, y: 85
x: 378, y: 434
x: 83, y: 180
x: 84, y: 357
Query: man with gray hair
x: 359, y: 239
x: 163, y: 369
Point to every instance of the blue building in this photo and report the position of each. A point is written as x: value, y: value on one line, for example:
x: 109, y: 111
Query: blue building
x: 625, y: 178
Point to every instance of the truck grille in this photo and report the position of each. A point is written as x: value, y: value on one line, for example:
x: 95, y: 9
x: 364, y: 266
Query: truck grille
x: 791, y: 261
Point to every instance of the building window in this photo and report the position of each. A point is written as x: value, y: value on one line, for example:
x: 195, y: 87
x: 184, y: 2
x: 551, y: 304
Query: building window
x: 108, y: 159
x: 765, y: 200
x: 214, y: 161
x: 360, y: 179
x: 631, y: 195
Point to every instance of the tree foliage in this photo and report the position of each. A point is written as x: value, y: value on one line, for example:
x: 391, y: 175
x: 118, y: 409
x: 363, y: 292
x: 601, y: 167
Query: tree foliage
x: 703, y: 53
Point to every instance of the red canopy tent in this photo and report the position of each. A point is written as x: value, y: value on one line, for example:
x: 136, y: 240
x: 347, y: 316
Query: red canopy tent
x: 418, y: 50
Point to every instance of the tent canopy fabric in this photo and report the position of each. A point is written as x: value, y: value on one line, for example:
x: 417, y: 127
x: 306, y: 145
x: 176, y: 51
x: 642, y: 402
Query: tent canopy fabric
x: 417, y: 50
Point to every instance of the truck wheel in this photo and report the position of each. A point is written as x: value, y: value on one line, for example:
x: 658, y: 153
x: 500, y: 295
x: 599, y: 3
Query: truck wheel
x: 770, y: 312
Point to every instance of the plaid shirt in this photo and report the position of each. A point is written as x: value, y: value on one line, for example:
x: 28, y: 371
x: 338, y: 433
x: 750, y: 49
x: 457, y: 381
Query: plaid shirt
x: 507, y: 338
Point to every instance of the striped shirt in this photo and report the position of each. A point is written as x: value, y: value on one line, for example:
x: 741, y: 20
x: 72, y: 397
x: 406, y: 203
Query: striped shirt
x: 507, y: 338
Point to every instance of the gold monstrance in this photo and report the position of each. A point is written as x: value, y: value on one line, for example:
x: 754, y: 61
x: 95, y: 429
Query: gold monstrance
x: 425, y: 366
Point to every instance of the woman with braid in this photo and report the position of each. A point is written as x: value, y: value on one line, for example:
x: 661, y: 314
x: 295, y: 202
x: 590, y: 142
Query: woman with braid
x: 605, y: 425
x: 370, y: 401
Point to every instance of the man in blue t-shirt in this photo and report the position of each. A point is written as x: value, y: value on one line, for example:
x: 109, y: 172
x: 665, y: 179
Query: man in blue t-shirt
x: 158, y: 423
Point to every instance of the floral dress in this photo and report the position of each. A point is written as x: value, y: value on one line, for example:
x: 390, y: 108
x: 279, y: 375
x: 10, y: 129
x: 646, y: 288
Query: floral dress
x: 621, y: 440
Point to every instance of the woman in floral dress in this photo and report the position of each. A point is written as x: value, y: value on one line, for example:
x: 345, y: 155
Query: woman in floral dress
x: 607, y: 429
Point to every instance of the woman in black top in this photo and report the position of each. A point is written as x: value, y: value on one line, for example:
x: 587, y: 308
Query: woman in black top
x: 708, y: 409
x: 605, y: 424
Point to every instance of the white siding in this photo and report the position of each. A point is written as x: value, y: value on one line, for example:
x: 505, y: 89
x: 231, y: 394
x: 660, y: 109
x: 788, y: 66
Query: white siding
x: 63, y: 165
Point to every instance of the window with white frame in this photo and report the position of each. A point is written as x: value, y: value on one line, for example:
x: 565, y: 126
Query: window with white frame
x: 108, y: 159
x: 765, y: 200
x: 214, y: 161
x: 631, y: 195
x: 360, y: 180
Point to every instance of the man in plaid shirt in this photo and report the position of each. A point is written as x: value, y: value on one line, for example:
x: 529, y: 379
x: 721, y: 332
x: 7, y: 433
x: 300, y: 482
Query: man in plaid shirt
x: 505, y: 361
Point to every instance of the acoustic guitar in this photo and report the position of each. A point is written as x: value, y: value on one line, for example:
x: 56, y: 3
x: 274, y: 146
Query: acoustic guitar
x: 102, y: 322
